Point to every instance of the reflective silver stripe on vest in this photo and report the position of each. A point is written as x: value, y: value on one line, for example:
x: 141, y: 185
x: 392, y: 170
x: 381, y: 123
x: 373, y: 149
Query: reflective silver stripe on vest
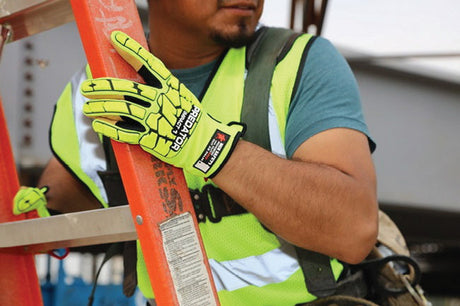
x: 272, y: 267
x: 92, y: 157
x: 276, y: 142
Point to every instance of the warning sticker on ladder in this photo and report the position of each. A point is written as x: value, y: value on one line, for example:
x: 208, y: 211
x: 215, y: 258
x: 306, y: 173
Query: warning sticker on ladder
x: 185, y: 259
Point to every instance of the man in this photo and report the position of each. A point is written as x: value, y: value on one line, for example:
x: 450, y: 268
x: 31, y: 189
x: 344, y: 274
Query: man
x: 321, y: 197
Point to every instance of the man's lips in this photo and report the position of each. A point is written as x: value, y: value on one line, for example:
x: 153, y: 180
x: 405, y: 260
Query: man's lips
x: 239, y: 5
x: 242, y: 9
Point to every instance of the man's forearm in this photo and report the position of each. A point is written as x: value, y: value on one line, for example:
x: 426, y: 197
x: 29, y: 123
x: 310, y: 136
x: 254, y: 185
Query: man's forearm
x: 312, y: 205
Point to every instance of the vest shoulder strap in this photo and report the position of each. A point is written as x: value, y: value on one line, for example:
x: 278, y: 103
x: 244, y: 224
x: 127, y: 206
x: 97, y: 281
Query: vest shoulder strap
x: 262, y: 57
x: 111, y: 178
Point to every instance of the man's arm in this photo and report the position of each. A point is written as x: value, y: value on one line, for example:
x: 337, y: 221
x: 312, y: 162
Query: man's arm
x: 66, y: 194
x: 324, y: 199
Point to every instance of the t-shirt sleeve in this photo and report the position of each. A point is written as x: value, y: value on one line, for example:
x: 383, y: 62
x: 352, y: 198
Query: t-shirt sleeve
x: 327, y: 97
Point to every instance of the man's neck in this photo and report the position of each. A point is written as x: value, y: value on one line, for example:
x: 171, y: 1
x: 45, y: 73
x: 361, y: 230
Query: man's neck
x: 182, y: 50
x: 180, y: 56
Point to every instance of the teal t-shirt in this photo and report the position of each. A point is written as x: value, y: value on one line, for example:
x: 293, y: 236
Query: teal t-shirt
x: 327, y: 96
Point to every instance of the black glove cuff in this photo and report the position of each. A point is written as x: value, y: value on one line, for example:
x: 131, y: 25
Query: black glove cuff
x: 234, y: 142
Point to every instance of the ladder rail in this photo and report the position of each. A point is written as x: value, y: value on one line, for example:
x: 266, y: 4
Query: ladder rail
x: 157, y: 193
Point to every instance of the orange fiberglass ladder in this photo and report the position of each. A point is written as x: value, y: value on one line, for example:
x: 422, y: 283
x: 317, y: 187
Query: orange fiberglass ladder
x: 160, y: 206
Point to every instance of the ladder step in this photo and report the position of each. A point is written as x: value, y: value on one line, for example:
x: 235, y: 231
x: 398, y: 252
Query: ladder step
x: 91, y: 227
x: 29, y: 17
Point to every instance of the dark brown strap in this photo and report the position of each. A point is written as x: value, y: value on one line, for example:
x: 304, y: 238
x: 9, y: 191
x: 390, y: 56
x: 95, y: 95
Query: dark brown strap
x: 111, y: 178
x: 213, y: 204
x: 316, y: 267
x: 262, y: 59
x: 129, y: 268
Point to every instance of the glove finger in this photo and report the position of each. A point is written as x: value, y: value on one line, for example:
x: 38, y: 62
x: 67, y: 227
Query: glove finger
x: 128, y: 115
x: 44, y: 189
x: 19, y: 204
x: 116, y: 130
x: 119, y: 89
x: 149, y: 67
x: 113, y: 109
x: 27, y: 199
x: 160, y: 144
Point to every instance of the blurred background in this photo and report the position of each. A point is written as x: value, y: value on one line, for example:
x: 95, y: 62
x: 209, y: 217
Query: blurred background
x: 406, y: 58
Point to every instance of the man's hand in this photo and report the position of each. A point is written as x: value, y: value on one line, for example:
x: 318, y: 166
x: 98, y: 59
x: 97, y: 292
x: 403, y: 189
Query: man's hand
x: 29, y: 199
x: 163, y: 117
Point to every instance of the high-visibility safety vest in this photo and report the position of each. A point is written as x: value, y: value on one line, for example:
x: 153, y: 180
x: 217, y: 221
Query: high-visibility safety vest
x: 250, y: 265
x: 73, y: 141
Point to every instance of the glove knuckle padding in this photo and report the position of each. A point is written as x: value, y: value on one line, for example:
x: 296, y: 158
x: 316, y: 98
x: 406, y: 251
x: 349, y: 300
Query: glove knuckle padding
x: 153, y: 120
x: 137, y: 111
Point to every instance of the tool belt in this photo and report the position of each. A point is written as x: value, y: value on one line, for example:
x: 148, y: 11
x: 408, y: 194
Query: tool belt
x: 388, y: 276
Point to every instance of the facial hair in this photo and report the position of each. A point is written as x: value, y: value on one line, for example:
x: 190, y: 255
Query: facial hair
x: 242, y: 38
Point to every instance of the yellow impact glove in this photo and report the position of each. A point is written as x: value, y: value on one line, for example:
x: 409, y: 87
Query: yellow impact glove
x: 162, y: 116
x: 30, y: 198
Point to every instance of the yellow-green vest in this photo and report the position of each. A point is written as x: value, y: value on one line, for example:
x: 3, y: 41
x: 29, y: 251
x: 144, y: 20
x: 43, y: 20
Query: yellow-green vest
x: 72, y: 140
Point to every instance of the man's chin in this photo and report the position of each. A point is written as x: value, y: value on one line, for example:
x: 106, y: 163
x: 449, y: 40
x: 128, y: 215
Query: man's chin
x: 237, y: 39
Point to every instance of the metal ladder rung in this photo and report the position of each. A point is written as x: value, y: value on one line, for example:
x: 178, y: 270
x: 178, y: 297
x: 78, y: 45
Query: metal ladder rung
x: 30, y: 17
x: 97, y: 226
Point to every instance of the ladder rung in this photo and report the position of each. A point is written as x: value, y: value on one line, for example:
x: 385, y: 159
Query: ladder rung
x: 97, y: 226
x: 29, y: 17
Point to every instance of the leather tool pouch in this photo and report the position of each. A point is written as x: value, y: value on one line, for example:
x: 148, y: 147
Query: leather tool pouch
x: 393, y: 276
x: 387, y: 277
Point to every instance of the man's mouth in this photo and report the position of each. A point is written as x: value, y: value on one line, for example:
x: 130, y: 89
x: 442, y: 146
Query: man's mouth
x: 239, y: 5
